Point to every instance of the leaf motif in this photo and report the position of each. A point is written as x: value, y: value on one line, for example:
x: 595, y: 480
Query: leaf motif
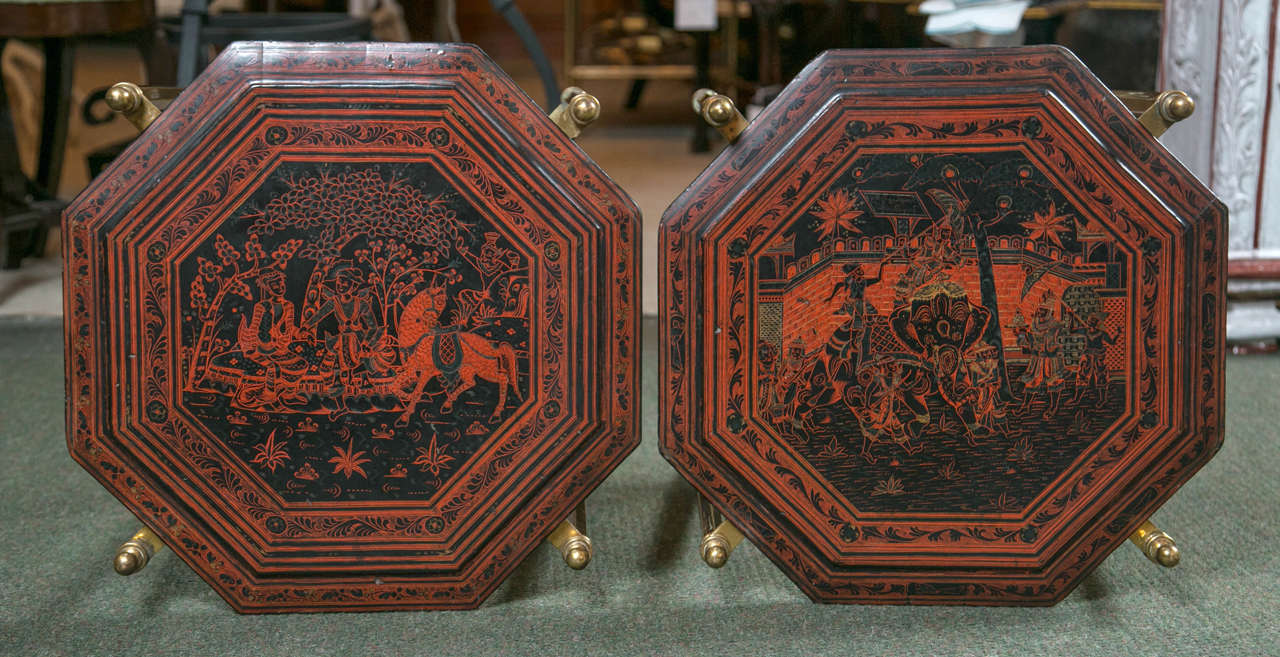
x: 347, y: 462
x: 270, y: 453
x: 226, y: 253
x: 240, y: 287
x: 432, y: 457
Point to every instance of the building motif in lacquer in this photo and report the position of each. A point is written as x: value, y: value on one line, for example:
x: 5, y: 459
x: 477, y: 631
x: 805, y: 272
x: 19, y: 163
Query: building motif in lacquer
x: 928, y: 304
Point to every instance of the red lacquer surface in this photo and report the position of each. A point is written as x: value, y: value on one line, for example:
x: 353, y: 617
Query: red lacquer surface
x: 942, y: 327
x: 351, y: 326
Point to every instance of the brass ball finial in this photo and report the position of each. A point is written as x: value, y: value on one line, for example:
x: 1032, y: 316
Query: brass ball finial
x: 699, y: 96
x: 124, y: 97
x: 716, y: 556
x: 128, y: 562
x: 584, y: 108
x: 568, y: 93
x: 577, y: 558
x: 1176, y: 106
x: 577, y: 109
x: 719, y: 110
x: 1168, y: 555
x: 128, y: 100
x: 720, y: 113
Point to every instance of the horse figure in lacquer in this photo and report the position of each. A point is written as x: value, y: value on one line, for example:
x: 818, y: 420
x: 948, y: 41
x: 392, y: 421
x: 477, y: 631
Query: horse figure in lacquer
x: 428, y: 350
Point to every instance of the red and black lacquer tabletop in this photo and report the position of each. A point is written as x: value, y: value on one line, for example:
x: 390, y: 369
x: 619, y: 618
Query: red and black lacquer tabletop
x: 351, y: 326
x: 942, y: 326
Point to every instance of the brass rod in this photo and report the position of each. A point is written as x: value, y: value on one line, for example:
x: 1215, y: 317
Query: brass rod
x: 719, y: 536
x: 1168, y: 108
x: 571, y: 539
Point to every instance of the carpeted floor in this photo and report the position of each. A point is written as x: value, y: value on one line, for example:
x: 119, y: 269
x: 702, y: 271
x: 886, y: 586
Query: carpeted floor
x: 646, y: 592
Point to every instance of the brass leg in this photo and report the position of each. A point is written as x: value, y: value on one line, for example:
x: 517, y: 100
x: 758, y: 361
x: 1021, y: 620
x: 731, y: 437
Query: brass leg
x: 577, y: 110
x: 1168, y: 108
x: 128, y: 99
x: 571, y: 540
x: 1157, y: 545
x: 720, y: 113
x: 137, y: 551
x: 719, y: 536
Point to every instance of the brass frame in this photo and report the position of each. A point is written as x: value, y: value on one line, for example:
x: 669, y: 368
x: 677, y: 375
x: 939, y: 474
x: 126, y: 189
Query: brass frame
x: 1167, y: 109
x: 129, y: 100
x: 570, y: 538
x: 720, y: 112
x: 719, y: 536
x: 1161, y: 112
x: 577, y: 110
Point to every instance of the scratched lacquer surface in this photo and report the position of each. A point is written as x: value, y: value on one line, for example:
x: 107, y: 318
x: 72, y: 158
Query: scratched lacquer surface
x: 942, y: 327
x: 352, y: 326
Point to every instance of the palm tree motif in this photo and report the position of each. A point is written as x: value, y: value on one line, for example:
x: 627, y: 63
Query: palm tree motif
x: 432, y: 457
x: 349, y: 463
x: 836, y: 211
x: 951, y: 182
x: 270, y: 453
x: 1047, y: 225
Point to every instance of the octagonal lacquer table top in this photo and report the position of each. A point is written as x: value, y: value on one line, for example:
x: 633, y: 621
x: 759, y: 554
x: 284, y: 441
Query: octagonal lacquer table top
x: 942, y: 326
x: 351, y: 326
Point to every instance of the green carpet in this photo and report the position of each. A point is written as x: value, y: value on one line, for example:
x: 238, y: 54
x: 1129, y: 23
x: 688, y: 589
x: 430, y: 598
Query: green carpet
x: 646, y: 592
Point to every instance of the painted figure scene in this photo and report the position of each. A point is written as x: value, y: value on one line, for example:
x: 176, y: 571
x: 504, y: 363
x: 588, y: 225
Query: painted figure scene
x: 354, y: 335
x: 941, y: 332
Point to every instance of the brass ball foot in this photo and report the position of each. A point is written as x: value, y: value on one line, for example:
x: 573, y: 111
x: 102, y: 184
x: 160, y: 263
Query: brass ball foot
x: 715, y: 550
x: 1158, y: 546
x: 720, y: 113
x: 577, y: 110
x: 584, y: 108
x: 577, y: 552
x: 129, y: 101
x: 128, y: 562
x: 136, y: 553
x: 716, y: 556
x: 1168, y: 555
x: 577, y: 558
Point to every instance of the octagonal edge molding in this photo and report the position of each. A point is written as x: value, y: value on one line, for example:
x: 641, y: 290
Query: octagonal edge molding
x: 333, y: 302
x: 790, y: 302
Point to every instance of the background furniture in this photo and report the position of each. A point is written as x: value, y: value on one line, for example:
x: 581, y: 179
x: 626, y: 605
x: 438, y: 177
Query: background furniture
x: 28, y: 209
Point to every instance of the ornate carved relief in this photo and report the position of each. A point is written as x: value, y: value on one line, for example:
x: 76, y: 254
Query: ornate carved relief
x: 1220, y: 52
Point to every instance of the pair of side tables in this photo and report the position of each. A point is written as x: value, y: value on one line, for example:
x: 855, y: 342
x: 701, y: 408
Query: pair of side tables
x: 355, y: 326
